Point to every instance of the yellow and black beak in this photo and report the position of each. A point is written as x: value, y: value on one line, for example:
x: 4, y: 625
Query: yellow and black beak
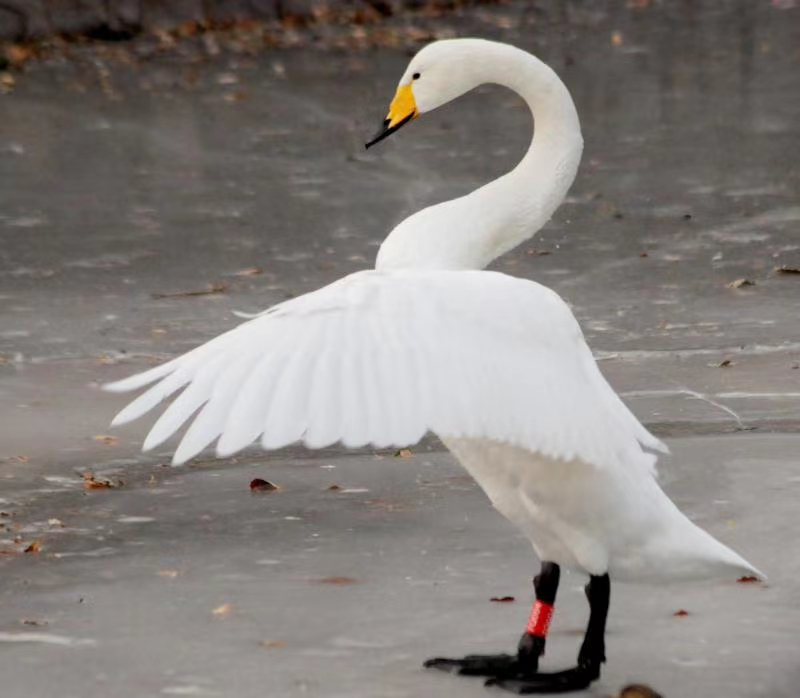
x: 402, y: 110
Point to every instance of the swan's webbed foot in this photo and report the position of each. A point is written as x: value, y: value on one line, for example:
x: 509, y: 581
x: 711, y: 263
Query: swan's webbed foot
x: 591, y: 656
x: 497, y: 666
x: 575, y: 679
x: 520, y: 673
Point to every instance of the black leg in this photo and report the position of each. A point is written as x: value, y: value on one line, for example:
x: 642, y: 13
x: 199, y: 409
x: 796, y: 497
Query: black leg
x: 590, y: 657
x: 530, y: 648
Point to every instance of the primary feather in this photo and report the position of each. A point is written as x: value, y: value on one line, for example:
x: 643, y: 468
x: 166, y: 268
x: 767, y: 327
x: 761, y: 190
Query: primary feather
x: 425, y: 351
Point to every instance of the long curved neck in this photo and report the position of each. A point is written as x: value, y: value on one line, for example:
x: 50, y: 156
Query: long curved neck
x: 471, y: 231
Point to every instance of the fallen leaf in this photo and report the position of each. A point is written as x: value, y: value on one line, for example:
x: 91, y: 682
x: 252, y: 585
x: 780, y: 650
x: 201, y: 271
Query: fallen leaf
x: 337, y: 580
x: 643, y: 254
x: 748, y: 580
x: 33, y: 621
x: 90, y: 482
x: 680, y: 613
x: 272, y: 644
x: 638, y: 690
x: 250, y: 271
x: 786, y: 269
x: 20, y: 459
x: 220, y: 287
x: 334, y: 488
x: 168, y: 574
x: 616, y: 38
x: 741, y: 282
x: 404, y: 453
x: 222, y: 611
x: 725, y: 363
x: 7, y: 82
x: 259, y: 485
x: 34, y: 547
x: 18, y: 54
x: 106, y: 439
x: 502, y: 599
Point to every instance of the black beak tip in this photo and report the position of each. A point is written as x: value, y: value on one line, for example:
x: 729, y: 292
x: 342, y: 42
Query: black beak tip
x: 387, y: 130
x: 380, y: 135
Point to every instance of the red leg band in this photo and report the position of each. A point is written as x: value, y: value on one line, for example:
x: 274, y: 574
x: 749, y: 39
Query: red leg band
x: 539, y: 621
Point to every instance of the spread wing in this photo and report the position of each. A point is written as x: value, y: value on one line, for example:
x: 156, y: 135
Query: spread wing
x: 381, y: 357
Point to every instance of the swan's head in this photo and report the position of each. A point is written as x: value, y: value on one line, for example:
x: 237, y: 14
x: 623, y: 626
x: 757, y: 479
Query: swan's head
x: 438, y: 74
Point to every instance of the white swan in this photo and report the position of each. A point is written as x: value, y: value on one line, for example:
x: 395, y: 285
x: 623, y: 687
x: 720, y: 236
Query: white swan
x: 495, y: 365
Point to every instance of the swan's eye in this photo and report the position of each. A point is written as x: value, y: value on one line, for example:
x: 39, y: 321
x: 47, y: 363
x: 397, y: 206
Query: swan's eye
x: 416, y: 76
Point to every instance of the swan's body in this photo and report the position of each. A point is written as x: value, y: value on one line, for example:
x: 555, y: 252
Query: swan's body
x: 496, y: 366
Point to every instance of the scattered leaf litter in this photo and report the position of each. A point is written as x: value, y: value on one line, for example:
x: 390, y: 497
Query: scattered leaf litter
x: 337, y: 581
x: 211, y: 289
x: 738, y: 283
x: 106, y: 439
x: 259, y: 485
x: 90, y: 482
x: 222, y: 611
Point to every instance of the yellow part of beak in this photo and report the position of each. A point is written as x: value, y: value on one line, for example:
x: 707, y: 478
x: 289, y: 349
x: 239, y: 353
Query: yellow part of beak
x: 403, y: 107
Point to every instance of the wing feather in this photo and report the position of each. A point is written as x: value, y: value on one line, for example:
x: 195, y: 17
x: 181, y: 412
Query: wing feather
x: 380, y: 357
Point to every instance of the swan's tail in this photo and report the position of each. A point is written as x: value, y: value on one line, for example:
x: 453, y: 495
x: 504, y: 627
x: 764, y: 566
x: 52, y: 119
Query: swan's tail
x: 689, y: 553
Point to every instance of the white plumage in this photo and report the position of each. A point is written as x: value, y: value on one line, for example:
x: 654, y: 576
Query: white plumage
x: 495, y: 365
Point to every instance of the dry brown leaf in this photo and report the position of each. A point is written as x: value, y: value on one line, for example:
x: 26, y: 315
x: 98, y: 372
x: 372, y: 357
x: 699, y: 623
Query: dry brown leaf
x: 748, y: 580
x: 168, y: 574
x: 272, y: 644
x: 250, y: 271
x: 18, y: 54
x: 680, y: 613
x: 222, y: 611
x: 106, y: 439
x: 787, y: 269
x: 502, y: 599
x: 38, y: 622
x: 334, y: 488
x: 220, y: 287
x: 638, y: 690
x: 738, y: 283
x: 616, y: 38
x: 404, y: 453
x: 725, y: 363
x: 341, y: 581
x: 34, y: 547
x: 90, y: 482
x: 259, y: 485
